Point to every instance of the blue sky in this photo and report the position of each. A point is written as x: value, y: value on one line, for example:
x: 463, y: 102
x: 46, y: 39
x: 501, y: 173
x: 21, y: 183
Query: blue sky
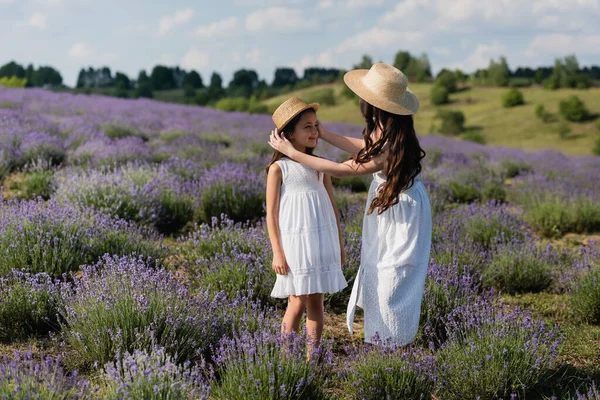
x: 226, y: 35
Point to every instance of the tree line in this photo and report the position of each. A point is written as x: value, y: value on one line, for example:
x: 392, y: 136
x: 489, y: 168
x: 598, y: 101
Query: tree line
x: 34, y: 77
x: 247, y: 84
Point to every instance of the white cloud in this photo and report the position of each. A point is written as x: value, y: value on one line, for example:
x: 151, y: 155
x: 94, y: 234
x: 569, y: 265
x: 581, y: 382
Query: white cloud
x: 362, y: 3
x: 169, y: 22
x: 468, y: 15
x: 195, y: 59
x: 279, y: 19
x: 442, y: 51
x: 219, y: 28
x: 37, y: 20
x: 481, y: 56
x: 138, y: 28
x: 560, y: 45
x: 167, y: 59
x: 82, y: 50
x: 266, y: 3
x: 254, y: 56
x: 325, y: 4
x: 236, y: 56
x: 351, y: 4
x: 374, y: 38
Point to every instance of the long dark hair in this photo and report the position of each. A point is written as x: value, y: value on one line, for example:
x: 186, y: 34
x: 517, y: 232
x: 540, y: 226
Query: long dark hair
x: 403, y: 162
x: 287, y: 133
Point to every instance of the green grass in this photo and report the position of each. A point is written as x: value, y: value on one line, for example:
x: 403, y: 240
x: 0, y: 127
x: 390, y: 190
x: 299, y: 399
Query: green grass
x: 515, y: 127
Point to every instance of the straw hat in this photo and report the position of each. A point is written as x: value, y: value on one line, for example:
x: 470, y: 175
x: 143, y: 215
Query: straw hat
x: 384, y: 87
x: 289, y: 109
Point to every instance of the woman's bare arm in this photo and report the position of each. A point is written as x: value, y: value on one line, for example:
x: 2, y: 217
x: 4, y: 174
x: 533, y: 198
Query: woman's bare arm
x: 274, y: 179
x: 346, y: 143
x: 338, y: 170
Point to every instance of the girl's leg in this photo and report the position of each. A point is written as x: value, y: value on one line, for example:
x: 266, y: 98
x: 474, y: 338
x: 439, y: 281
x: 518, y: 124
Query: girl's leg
x: 314, y: 320
x: 293, y: 314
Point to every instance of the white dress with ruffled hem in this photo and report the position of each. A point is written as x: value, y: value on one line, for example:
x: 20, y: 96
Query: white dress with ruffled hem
x: 309, y: 234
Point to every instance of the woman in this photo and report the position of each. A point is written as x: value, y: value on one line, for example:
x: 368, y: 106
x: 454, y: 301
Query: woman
x: 396, y: 237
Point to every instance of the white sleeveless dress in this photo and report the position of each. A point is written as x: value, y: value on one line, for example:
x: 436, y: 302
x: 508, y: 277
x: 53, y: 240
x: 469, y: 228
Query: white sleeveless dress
x: 309, y: 234
x: 394, y: 258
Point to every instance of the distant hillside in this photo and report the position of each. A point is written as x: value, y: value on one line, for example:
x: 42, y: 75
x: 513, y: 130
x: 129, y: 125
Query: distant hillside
x: 482, y: 106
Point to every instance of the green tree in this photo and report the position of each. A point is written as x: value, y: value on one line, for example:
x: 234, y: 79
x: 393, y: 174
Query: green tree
x: 284, y: 77
x: 402, y: 60
x: 439, y: 95
x: 193, y: 79
x: 498, y: 72
x: 447, y: 79
x: 12, y: 69
x: 573, y: 109
x: 243, y: 84
x: 513, y: 98
x: 162, y: 78
x: 365, y: 63
x: 453, y: 122
x: 122, y: 81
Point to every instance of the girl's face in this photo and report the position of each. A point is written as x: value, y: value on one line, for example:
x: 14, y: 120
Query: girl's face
x: 305, y: 133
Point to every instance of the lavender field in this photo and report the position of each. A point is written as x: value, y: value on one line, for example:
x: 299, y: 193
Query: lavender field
x: 134, y: 263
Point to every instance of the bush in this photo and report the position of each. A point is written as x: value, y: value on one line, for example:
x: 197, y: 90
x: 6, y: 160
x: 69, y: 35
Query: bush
x: 39, y: 184
x: 474, y: 136
x: 439, y: 95
x: 24, y: 377
x: 148, y: 195
x: 354, y: 183
x: 541, y: 113
x: 450, y: 287
x: 388, y: 373
x: 490, y: 230
x: 515, y: 168
x: 519, y: 269
x: 229, y: 104
x: 29, y: 305
x: 447, y: 79
x: 596, y: 149
x: 552, y: 215
x: 585, y: 297
x: 573, y: 109
x: 452, y: 122
x: 265, y: 365
x: 47, y: 237
x: 563, y: 130
x: 143, y: 90
x: 153, y: 375
x: 496, y: 354
x: 325, y: 97
x: 140, y: 308
x: 233, y: 190
x: 120, y: 131
x: 37, y: 146
x: 513, y: 98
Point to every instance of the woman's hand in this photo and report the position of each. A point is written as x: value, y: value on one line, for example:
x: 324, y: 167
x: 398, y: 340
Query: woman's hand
x: 280, y: 143
x: 343, y: 258
x: 280, y: 265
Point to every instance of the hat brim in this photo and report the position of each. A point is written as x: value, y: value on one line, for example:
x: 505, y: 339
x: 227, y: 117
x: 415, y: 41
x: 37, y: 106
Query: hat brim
x: 408, y: 104
x: 314, y: 106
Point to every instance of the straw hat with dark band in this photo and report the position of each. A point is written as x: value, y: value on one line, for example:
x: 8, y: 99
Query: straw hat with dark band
x: 384, y: 87
x: 289, y: 109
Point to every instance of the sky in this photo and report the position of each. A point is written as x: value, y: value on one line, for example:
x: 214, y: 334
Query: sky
x: 227, y: 35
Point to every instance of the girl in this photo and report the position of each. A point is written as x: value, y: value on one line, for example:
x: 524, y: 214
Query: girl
x: 303, y: 224
x: 396, y: 237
